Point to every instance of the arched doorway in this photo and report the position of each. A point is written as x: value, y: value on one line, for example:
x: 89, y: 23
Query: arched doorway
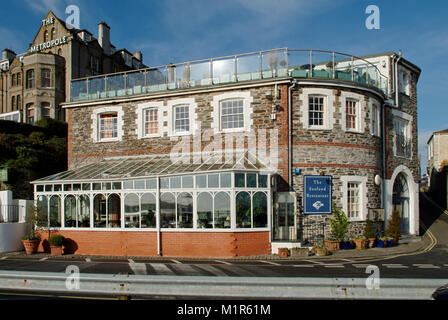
x: 400, y: 201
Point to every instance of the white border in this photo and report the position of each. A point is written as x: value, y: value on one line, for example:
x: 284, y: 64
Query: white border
x: 192, y: 116
x: 120, y: 123
x: 247, y: 109
x: 140, y: 131
x: 360, y: 111
x: 329, y: 108
x: 363, y: 197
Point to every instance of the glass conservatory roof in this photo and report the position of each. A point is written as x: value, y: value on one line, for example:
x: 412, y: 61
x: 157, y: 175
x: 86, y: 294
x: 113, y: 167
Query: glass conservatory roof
x: 120, y: 168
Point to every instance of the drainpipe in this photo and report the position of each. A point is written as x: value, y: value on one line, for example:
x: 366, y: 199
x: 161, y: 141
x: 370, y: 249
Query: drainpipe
x: 383, y: 141
x: 294, y: 83
x: 396, y: 77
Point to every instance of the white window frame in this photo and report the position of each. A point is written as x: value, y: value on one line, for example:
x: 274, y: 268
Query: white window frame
x: 403, y: 117
x: 362, y: 181
x: 360, y: 111
x: 375, y: 130
x: 192, y: 106
x: 96, y: 123
x: 141, y: 132
x: 329, y: 108
x: 247, y: 111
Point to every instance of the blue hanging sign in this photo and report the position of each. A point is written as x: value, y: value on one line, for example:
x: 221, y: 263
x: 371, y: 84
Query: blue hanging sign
x: 317, y: 194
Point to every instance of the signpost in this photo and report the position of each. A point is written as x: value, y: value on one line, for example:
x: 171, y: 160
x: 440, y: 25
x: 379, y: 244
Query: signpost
x: 317, y: 194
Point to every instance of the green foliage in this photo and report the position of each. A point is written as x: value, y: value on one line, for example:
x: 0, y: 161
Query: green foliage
x: 56, y: 240
x: 393, y: 226
x: 36, y: 218
x: 368, y: 230
x: 32, y: 152
x: 339, y: 223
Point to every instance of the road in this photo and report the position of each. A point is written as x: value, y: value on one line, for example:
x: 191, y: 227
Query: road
x: 428, y: 265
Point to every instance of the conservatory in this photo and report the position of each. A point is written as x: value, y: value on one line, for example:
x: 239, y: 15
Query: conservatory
x: 220, y: 193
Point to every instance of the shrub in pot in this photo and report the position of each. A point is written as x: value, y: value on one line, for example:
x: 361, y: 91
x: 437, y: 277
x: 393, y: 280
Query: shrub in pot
x: 346, y: 244
x: 35, y: 218
x: 360, y: 243
x: 321, y: 250
x: 56, y: 242
x: 382, y: 242
x: 339, y: 227
x: 393, y: 227
x: 369, y: 234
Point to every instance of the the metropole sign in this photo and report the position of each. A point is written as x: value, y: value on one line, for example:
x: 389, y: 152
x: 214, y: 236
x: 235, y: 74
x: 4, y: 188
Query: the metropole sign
x: 317, y: 194
x: 51, y: 43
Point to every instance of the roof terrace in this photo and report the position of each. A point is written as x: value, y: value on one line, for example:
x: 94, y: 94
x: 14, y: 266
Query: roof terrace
x: 247, y: 67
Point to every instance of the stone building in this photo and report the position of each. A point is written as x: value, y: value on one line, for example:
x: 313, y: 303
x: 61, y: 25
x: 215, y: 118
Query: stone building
x: 217, y: 158
x: 438, y: 166
x: 35, y: 83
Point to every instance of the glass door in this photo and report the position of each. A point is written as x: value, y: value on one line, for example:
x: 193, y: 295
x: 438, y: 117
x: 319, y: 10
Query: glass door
x: 285, y: 223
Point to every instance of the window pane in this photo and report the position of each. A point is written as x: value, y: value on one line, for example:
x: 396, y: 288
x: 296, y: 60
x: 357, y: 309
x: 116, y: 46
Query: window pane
x: 57, y: 187
x: 108, y: 126
x: 243, y: 210
x: 262, y: 181
x: 151, y: 184
x: 232, y: 114
x: 148, y: 210
x: 139, y: 184
x: 167, y: 211
x: 107, y: 186
x: 164, y: 183
x: 99, y: 211
x: 151, y: 121
x: 184, y: 210
x: 116, y: 185
x: 201, y: 181
x: 128, y: 185
x: 213, y: 180
x: 187, y: 182
x: 175, y: 183
x: 205, y: 210
x: 97, y: 186
x: 222, y: 210
x: 55, y: 211
x: 49, y: 187
x: 239, y: 180
x: 131, y: 211
x: 86, y: 186
x: 260, y: 204
x: 42, y: 203
x: 251, y: 180
x: 181, y: 119
x: 226, y: 180
x: 316, y: 111
x: 70, y: 211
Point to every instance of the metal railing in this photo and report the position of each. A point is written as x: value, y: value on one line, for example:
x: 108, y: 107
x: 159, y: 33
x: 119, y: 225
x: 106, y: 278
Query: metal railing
x: 311, y: 233
x: 9, y: 213
x: 275, y: 63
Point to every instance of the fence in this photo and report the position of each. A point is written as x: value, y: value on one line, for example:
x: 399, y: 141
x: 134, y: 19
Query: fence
x: 9, y: 213
x: 311, y: 233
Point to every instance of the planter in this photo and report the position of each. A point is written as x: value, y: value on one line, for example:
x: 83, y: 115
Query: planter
x: 299, y: 252
x: 321, y: 251
x: 332, y: 245
x: 56, y: 250
x: 346, y: 245
x: 390, y: 242
x: 360, y: 244
x: 382, y: 243
x: 371, y: 242
x: 31, y: 246
x: 283, y: 252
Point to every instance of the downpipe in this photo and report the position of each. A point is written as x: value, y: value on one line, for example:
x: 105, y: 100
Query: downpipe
x: 294, y: 83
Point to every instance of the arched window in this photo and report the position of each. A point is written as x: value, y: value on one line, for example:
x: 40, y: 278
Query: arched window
x: 99, y: 211
x: 46, y: 36
x: 167, y: 210
x: 53, y: 34
x: 55, y: 211
x: 260, y: 209
x: 30, y: 113
x: 148, y: 211
x: 205, y: 210
x: 114, y: 211
x: 243, y: 210
x: 184, y: 210
x: 19, y: 103
x: 222, y: 210
x: 131, y: 211
x: 70, y: 211
x: 84, y: 211
x: 42, y: 204
x: 13, y: 80
x: 13, y: 103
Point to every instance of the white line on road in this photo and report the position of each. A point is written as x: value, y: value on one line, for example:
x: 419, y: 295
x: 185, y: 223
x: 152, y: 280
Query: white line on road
x: 3, y: 258
x: 238, y: 270
x: 333, y: 265
x: 176, y: 261
x: 270, y: 262
x: 138, y: 268
x: 43, y: 259
x: 213, y: 270
x: 363, y: 265
x: 161, y: 269
x: 304, y: 265
x: 316, y: 262
x: 186, y: 269
x: 88, y: 260
x: 426, y: 266
x: 131, y: 261
x: 224, y: 262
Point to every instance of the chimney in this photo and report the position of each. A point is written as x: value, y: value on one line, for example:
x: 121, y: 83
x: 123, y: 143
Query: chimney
x: 8, y: 54
x: 138, y: 55
x: 104, y: 36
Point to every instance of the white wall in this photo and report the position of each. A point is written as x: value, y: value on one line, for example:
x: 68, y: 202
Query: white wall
x: 11, y: 235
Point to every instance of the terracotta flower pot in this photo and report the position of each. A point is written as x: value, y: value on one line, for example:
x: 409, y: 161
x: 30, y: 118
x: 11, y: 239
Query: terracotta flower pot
x: 321, y: 251
x: 56, y: 250
x: 360, y: 243
x: 283, y: 253
x: 372, y: 242
x: 31, y: 246
x: 332, y: 245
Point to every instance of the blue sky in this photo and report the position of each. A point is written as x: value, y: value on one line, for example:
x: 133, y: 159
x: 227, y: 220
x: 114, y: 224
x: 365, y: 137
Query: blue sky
x: 181, y: 30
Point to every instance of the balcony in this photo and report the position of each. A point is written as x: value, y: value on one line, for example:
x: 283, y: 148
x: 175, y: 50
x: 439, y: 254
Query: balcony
x: 241, y: 68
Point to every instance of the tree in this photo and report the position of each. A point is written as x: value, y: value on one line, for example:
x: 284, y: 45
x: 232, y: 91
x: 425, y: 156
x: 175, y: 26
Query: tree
x: 339, y: 223
x: 393, y: 226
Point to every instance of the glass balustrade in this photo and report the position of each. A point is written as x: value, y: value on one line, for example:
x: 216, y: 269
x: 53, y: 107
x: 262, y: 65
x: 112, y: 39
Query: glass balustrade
x: 276, y: 63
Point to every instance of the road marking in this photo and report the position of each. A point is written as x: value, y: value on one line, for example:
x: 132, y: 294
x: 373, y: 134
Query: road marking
x: 304, y: 265
x: 445, y: 265
x: 333, y: 265
x: 3, y: 258
x: 176, y: 261
x: 316, y: 262
x: 213, y: 270
x: 270, y: 262
x: 238, y: 270
x: 361, y: 265
x: 224, y: 262
x: 131, y: 261
x: 426, y: 266
x: 186, y: 268
x: 161, y: 269
x: 88, y: 260
x: 43, y: 259
x: 395, y: 266
x: 138, y: 268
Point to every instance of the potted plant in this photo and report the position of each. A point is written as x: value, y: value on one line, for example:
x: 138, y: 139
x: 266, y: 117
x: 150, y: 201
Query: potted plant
x: 283, y: 252
x: 360, y: 243
x: 35, y: 219
x: 393, y: 227
x: 382, y: 242
x: 339, y: 227
x: 56, y: 242
x: 369, y: 233
x: 321, y: 250
x: 299, y: 252
x: 346, y: 244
